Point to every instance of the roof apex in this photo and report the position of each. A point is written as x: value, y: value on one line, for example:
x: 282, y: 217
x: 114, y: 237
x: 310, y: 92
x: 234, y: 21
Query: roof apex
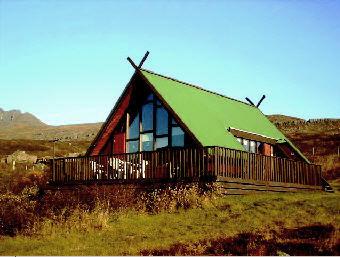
x: 197, y: 87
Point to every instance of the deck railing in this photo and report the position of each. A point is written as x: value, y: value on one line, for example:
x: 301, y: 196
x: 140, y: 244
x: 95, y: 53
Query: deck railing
x: 185, y: 163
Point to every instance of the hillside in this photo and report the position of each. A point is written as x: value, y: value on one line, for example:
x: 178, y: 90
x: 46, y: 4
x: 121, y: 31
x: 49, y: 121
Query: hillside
x: 279, y: 118
x: 321, y: 134
x: 16, y: 125
x: 17, y: 118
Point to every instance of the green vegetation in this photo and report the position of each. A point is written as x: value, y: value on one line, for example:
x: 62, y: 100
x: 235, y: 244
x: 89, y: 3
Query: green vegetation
x: 42, y: 148
x: 190, y: 228
x: 120, y: 220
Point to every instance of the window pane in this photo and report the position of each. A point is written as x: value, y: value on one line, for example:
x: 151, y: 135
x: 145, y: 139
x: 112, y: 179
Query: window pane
x: 246, y: 144
x: 132, y: 146
x: 161, y: 121
x: 134, y: 128
x: 147, y: 142
x: 147, y: 117
x: 161, y: 142
x: 177, y: 136
x: 173, y: 122
x: 252, y: 148
x: 150, y: 97
x: 259, y: 147
x: 239, y: 139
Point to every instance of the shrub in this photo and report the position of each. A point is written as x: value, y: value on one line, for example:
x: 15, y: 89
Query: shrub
x: 17, y: 213
x: 176, y: 196
x: 16, y: 180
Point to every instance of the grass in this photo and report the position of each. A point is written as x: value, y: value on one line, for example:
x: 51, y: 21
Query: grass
x: 130, y: 232
x: 42, y: 148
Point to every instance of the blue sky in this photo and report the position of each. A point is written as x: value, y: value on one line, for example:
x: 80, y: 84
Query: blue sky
x: 65, y: 61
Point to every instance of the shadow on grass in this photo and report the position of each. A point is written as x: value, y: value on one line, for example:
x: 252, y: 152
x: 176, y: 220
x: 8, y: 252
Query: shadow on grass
x: 308, y: 240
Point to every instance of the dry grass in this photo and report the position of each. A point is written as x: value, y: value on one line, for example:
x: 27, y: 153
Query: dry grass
x: 190, y: 223
x: 42, y: 148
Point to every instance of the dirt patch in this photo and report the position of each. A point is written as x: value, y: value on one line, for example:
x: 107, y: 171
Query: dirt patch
x: 309, y: 240
x: 310, y: 232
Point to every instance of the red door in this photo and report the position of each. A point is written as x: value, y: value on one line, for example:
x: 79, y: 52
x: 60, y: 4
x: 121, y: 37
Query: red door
x: 119, y: 143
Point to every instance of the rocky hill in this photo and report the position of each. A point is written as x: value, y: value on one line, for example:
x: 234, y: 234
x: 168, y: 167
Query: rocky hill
x: 318, y: 139
x: 17, y: 125
x: 16, y: 117
x: 279, y: 118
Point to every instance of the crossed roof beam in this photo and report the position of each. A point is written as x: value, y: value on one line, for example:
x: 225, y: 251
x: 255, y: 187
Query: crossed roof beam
x: 141, y: 62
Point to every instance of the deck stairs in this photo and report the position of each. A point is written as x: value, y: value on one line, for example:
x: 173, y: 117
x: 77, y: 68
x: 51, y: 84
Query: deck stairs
x: 326, y: 186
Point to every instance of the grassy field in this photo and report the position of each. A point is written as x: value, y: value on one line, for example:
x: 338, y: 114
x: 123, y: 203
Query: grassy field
x: 42, y: 148
x: 187, y: 224
x: 220, y: 225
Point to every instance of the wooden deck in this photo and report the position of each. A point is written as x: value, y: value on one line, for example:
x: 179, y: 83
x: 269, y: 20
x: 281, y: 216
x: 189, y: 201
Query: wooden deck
x: 215, y: 163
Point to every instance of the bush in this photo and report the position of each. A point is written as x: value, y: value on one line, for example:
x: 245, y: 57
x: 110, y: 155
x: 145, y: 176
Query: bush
x: 176, y: 196
x: 17, y: 213
x: 90, y: 206
x: 23, y: 176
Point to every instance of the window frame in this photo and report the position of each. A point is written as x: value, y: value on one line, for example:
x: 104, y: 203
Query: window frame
x: 257, y: 145
x: 172, y: 123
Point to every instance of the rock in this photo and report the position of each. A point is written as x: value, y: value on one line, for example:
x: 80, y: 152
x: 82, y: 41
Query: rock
x: 21, y: 157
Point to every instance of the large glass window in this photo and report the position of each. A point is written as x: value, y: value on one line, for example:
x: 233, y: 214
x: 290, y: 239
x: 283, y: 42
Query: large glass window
x: 147, y: 117
x: 134, y: 128
x: 177, y: 136
x: 152, y: 128
x: 147, y: 142
x: 161, y: 121
x: 132, y: 146
x: 161, y: 142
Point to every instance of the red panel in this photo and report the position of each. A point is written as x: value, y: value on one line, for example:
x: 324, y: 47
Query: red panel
x: 108, y: 149
x: 267, y: 149
x: 119, y: 143
x: 112, y: 123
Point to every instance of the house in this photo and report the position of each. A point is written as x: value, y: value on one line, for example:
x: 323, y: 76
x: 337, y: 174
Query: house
x: 163, y: 128
x: 156, y: 111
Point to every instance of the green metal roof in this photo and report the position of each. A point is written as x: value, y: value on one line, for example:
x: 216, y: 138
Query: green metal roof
x: 209, y: 115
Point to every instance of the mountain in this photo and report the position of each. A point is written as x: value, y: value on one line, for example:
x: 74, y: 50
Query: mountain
x: 17, y: 118
x: 17, y: 125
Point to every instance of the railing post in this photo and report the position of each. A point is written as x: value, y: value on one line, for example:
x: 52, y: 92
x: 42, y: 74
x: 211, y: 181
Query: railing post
x: 53, y: 170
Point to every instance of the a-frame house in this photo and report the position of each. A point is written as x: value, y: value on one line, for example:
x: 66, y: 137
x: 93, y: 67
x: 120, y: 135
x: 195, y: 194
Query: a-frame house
x: 163, y: 128
x: 156, y: 111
